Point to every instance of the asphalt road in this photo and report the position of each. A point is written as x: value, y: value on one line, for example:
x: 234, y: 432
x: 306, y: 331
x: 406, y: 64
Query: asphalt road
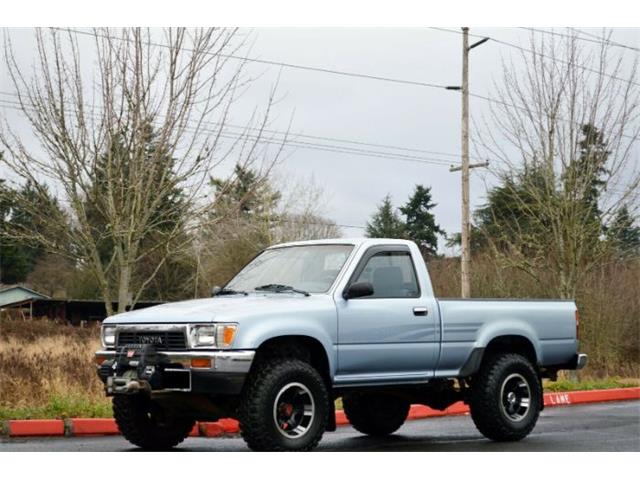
x: 597, y: 427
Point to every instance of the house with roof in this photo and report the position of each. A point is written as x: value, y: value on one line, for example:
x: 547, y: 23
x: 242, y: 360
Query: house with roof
x: 22, y: 302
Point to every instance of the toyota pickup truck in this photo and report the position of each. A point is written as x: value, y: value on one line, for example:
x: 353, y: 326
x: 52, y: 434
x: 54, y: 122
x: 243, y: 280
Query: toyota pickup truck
x: 306, y: 323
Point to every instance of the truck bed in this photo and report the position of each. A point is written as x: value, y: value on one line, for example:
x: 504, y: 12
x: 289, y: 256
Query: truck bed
x: 468, y: 324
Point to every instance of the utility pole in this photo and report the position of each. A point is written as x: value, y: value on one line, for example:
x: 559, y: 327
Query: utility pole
x: 464, y: 233
x: 465, y: 167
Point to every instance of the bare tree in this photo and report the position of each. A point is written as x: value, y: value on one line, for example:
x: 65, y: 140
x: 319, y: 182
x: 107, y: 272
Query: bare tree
x: 563, y: 138
x: 300, y: 215
x: 146, y: 124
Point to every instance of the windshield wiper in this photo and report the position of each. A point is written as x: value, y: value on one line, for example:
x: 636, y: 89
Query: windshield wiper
x: 277, y: 288
x: 229, y: 291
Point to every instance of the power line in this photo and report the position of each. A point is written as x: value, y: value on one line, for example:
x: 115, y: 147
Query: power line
x: 306, y: 145
x: 540, y: 54
x: 270, y: 62
x: 340, y: 149
x: 16, y: 106
x: 605, y: 40
x: 369, y: 144
x: 319, y: 69
x: 596, y: 40
x: 633, y: 138
x: 319, y: 137
x: 354, y: 74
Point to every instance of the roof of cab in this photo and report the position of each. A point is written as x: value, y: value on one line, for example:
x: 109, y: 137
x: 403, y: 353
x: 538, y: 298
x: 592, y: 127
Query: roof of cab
x: 345, y: 241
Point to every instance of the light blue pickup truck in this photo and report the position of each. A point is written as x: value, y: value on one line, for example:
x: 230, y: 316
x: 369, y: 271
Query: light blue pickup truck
x: 306, y: 323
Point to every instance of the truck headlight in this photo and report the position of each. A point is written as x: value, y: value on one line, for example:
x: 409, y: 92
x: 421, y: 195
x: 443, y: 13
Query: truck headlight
x: 108, y: 336
x: 220, y: 335
x: 203, y: 336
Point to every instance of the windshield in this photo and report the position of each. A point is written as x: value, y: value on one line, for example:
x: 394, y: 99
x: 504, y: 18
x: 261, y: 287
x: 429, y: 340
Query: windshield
x: 310, y: 268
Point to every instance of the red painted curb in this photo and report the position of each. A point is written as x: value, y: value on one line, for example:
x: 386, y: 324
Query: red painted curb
x: 38, y: 428
x: 341, y: 418
x: 94, y: 426
x: 591, y: 396
x: 211, y: 429
x: 229, y: 425
x: 550, y: 400
x: 420, y: 411
x: 107, y: 426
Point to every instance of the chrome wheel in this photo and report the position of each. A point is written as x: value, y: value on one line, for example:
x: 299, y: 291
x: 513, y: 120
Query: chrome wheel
x: 294, y: 410
x: 515, y: 397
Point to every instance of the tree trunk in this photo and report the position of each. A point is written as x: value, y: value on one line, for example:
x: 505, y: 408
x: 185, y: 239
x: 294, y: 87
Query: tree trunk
x: 123, y: 287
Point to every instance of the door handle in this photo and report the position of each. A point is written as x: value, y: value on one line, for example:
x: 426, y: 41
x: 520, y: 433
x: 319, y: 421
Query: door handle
x: 420, y: 311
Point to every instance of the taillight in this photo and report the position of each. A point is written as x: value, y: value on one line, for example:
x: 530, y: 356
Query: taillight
x: 577, y: 325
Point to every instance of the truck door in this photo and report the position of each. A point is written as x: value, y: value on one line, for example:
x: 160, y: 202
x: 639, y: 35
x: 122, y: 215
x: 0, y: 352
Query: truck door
x: 392, y: 334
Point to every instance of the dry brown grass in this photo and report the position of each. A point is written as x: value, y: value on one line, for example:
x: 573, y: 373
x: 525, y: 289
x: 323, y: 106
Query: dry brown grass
x: 43, y: 362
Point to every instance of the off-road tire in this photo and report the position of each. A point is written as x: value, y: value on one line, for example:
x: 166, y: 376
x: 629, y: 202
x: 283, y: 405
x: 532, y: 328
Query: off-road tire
x: 256, y: 411
x: 375, y: 414
x: 138, y: 425
x: 487, y: 413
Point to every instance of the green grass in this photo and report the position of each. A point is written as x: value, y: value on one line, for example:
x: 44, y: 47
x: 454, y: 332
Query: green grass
x: 61, y: 406
x: 566, y: 385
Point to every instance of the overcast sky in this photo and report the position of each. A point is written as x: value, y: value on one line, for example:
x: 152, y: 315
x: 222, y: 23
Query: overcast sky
x: 370, y: 111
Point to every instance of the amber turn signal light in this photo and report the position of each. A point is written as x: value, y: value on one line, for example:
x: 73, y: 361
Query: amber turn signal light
x: 201, y: 362
x: 99, y: 359
x: 225, y: 334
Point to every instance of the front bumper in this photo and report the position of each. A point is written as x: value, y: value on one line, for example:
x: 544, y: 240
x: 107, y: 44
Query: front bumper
x: 171, y: 371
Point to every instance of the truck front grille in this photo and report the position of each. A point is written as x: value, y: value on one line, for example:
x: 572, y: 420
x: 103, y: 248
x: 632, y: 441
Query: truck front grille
x: 164, y: 340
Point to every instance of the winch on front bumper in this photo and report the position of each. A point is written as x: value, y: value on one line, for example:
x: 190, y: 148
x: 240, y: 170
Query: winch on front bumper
x: 143, y: 368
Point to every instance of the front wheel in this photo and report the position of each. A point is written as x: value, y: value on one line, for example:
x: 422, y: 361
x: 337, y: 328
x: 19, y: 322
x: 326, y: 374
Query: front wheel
x: 147, y: 425
x: 285, y: 406
x: 506, y: 398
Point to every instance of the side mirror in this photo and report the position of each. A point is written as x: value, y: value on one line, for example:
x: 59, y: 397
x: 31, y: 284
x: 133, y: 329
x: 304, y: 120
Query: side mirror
x: 357, y: 290
x: 215, y: 290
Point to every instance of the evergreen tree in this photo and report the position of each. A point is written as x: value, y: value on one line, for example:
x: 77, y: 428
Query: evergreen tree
x: 420, y: 225
x: 591, y: 167
x: 18, y: 259
x: 583, y: 179
x: 513, y: 212
x: 245, y: 194
x: 623, y: 234
x: 386, y: 223
x: 244, y: 220
x: 14, y: 263
x: 477, y: 239
x: 113, y: 174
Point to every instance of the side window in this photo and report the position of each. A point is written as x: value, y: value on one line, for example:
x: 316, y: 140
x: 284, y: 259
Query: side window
x: 391, y: 274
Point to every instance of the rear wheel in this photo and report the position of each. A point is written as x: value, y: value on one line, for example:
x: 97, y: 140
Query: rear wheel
x: 285, y: 406
x: 147, y: 425
x: 506, y: 398
x: 375, y: 414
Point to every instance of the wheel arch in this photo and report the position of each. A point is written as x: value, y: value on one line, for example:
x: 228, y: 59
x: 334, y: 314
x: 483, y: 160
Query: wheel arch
x: 507, y: 343
x: 512, y: 344
x: 512, y: 335
x: 304, y: 347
